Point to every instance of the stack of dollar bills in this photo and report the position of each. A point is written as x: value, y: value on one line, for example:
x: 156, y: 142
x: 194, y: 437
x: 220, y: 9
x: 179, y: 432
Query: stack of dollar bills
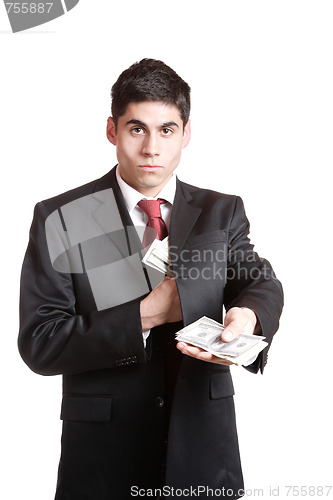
x: 157, y: 256
x: 206, y: 333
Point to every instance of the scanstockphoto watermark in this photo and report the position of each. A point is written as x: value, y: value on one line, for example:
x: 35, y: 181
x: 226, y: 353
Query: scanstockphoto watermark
x: 208, y: 264
x: 218, y: 272
x: 191, y: 492
x: 220, y: 254
x: 289, y: 491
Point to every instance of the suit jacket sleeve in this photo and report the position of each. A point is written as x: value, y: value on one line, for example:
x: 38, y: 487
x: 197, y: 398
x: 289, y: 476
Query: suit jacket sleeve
x: 251, y: 283
x: 53, y: 338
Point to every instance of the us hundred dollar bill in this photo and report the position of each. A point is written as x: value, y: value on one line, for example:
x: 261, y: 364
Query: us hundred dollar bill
x: 157, y: 256
x: 206, y: 334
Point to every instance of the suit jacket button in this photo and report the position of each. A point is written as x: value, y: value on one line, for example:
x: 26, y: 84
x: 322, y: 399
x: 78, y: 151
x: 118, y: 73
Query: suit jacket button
x: 159, y: 402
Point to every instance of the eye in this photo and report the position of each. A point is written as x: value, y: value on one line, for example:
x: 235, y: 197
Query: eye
x: 137, y: 130
x: 166, y: 131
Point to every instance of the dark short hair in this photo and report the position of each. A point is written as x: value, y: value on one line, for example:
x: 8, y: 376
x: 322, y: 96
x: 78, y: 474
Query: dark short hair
x: 150, y: 80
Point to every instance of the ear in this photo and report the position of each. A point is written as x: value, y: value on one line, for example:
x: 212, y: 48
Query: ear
x: 111, y: 131
x: 187, y: 134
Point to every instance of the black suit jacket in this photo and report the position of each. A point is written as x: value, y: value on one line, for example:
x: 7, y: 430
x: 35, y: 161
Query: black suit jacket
x: 76, y: 320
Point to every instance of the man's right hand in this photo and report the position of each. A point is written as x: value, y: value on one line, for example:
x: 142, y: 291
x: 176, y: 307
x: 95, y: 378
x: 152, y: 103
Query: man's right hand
x: 161, y: 306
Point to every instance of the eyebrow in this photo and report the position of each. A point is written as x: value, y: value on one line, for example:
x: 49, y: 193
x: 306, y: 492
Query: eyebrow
x: 133, y: 121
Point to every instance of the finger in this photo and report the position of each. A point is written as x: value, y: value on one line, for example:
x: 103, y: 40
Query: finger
x: 202, y: 355
x: 193, y: 351
x: 232, y: 331
x: 238, y: 320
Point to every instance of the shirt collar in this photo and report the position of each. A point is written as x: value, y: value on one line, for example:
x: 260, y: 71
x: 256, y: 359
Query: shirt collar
x: 132, y: 196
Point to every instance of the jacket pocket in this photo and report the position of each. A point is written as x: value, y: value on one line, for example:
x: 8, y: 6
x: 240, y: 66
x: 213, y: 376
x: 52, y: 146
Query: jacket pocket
x: 221, y: 386
x: 86, y: 408
x: 207, y: 238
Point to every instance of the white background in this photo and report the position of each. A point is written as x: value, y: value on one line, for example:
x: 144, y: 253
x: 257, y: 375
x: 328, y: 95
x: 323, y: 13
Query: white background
x: 262, y: 79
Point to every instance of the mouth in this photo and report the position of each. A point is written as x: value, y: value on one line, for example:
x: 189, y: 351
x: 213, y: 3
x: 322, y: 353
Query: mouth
x: 150, y: 168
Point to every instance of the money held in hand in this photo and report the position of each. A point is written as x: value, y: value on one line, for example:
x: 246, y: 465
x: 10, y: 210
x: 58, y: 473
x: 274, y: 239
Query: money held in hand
x: 206, y: 334
x: 157, y: 256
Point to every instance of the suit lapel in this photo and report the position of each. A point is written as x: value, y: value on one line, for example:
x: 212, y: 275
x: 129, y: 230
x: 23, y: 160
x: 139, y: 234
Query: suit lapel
x: 121, y: 249
x: 183, y: 216
x: 134, y: 241
x: 112, y: 216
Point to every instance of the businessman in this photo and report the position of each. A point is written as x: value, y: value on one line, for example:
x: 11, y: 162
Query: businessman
x: 143, y: 415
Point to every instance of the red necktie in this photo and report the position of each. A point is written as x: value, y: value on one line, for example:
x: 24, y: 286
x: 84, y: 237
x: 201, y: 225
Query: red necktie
x: 153, y: 210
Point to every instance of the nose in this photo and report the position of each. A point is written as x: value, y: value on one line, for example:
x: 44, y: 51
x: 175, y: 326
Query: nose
x: 151, y: 146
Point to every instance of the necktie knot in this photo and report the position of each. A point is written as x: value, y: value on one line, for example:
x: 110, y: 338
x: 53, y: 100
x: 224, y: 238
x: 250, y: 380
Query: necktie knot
x: 152, y: 208
x: 156, y: 227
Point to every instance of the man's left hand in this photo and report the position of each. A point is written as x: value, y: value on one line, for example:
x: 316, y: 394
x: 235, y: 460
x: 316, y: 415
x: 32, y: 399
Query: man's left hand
x: 237, y: 320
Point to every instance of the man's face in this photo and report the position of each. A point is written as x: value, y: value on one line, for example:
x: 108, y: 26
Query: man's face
x: 149, y: 140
